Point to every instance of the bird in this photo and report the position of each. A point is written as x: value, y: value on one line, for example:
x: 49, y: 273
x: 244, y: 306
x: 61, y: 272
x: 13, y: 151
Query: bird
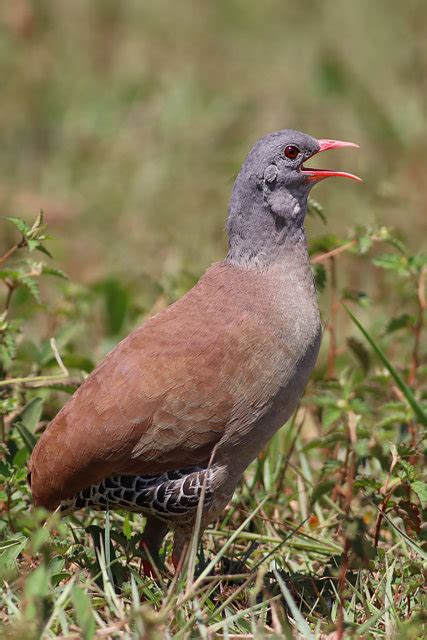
x: 174, y: 414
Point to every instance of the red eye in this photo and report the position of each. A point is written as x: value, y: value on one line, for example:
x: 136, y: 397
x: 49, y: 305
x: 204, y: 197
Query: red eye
x: 291, y: 151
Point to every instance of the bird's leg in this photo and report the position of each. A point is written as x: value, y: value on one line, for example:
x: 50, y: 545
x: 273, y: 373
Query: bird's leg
x: 181, y: 543
x: 154, y: 532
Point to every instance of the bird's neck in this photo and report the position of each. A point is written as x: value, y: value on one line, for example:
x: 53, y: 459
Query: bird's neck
x: 261, y: 238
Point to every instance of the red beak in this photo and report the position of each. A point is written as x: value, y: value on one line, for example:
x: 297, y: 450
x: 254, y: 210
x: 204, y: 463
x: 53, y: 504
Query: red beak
x: 321, y: 174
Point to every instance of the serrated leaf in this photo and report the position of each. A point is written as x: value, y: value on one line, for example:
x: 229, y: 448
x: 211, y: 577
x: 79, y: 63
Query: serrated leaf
x: 32, y: 244
x: 53, y: 271
x: 420, y: 489
x: 408, y: 468
x: 20, y: 224
x: 31, y: 285
x: 9, y: 344
x: 43, y: 249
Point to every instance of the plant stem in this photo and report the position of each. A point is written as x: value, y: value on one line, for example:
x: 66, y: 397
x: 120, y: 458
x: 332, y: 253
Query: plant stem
x: 12, y: 250
x: 418, y: 327
x: 332, y: 325
x: 333, y: 252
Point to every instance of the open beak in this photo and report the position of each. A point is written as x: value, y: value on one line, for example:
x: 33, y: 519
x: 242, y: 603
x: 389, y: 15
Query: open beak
x: 321, y: 174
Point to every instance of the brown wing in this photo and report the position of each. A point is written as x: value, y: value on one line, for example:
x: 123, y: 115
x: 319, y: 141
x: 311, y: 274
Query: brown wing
x: 159, y: 401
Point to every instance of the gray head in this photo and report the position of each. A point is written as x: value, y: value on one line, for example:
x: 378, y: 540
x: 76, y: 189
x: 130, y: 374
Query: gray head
x: 269, y: 199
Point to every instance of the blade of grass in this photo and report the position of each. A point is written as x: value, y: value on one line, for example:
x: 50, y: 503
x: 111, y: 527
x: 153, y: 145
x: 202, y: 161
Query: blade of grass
x: 301, y: 623
x: 407, y: 392
x: 244, y: 612
x: 59, y: 604
x: 361, y: 631
x: 188, y: 595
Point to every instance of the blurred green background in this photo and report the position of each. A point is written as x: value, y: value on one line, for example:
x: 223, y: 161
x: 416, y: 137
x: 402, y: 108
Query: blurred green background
x: 126, y: 122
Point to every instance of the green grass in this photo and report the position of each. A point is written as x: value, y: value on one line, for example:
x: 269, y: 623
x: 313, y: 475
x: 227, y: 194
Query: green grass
x: 325, y: 530
x: 126, y: 123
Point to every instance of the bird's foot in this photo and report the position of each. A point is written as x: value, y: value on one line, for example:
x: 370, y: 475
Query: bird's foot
x: 178, y: 560
x: 146, y: 569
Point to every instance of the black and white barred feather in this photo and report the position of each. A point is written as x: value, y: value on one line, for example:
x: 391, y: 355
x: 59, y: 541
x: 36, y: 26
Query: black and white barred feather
x: 173, y: 494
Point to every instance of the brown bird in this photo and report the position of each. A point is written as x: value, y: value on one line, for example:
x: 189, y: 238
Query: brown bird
x: 188, y: 399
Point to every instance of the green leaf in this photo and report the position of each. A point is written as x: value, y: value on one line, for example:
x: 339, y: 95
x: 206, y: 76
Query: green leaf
x: 127, y: 529
x: 37, y: 227
x: 116, y: 304
x: 19, y: 224
x: 360, y: 352
x: 320, y: 490
x: 325, y: 243
x: 407, y: 392
x: 409, y: 472
x: 53, y: 271
x: 393, y: 262
x: 31, y: 285
x: 329, y: 415
x: 78, y: 362
x: 43, y: 249
x: 31, y: 414
x: 364, y: 243
x: 320, y: 276
x: 361, y: 297
x: 28, y: 438
x: 11, y: 274
x: 316, y: 209
x: 37, y: 583
x: 65, y: 388
x: 420, y: 489
x: 32, y: 245
x: 402, y: 321
x: 10, y: 550
x: 20, y: 458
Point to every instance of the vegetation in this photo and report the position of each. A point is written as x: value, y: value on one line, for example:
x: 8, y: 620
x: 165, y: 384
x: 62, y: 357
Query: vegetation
x: 326, y: 529
x: 129, y: 141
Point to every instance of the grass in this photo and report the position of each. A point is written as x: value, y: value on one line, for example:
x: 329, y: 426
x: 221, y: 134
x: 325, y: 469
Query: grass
x: 126, y: 123
x: 323, y: 534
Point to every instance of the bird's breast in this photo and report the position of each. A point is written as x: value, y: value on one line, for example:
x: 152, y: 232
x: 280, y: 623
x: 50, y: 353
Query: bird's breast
x: 281, y: 348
